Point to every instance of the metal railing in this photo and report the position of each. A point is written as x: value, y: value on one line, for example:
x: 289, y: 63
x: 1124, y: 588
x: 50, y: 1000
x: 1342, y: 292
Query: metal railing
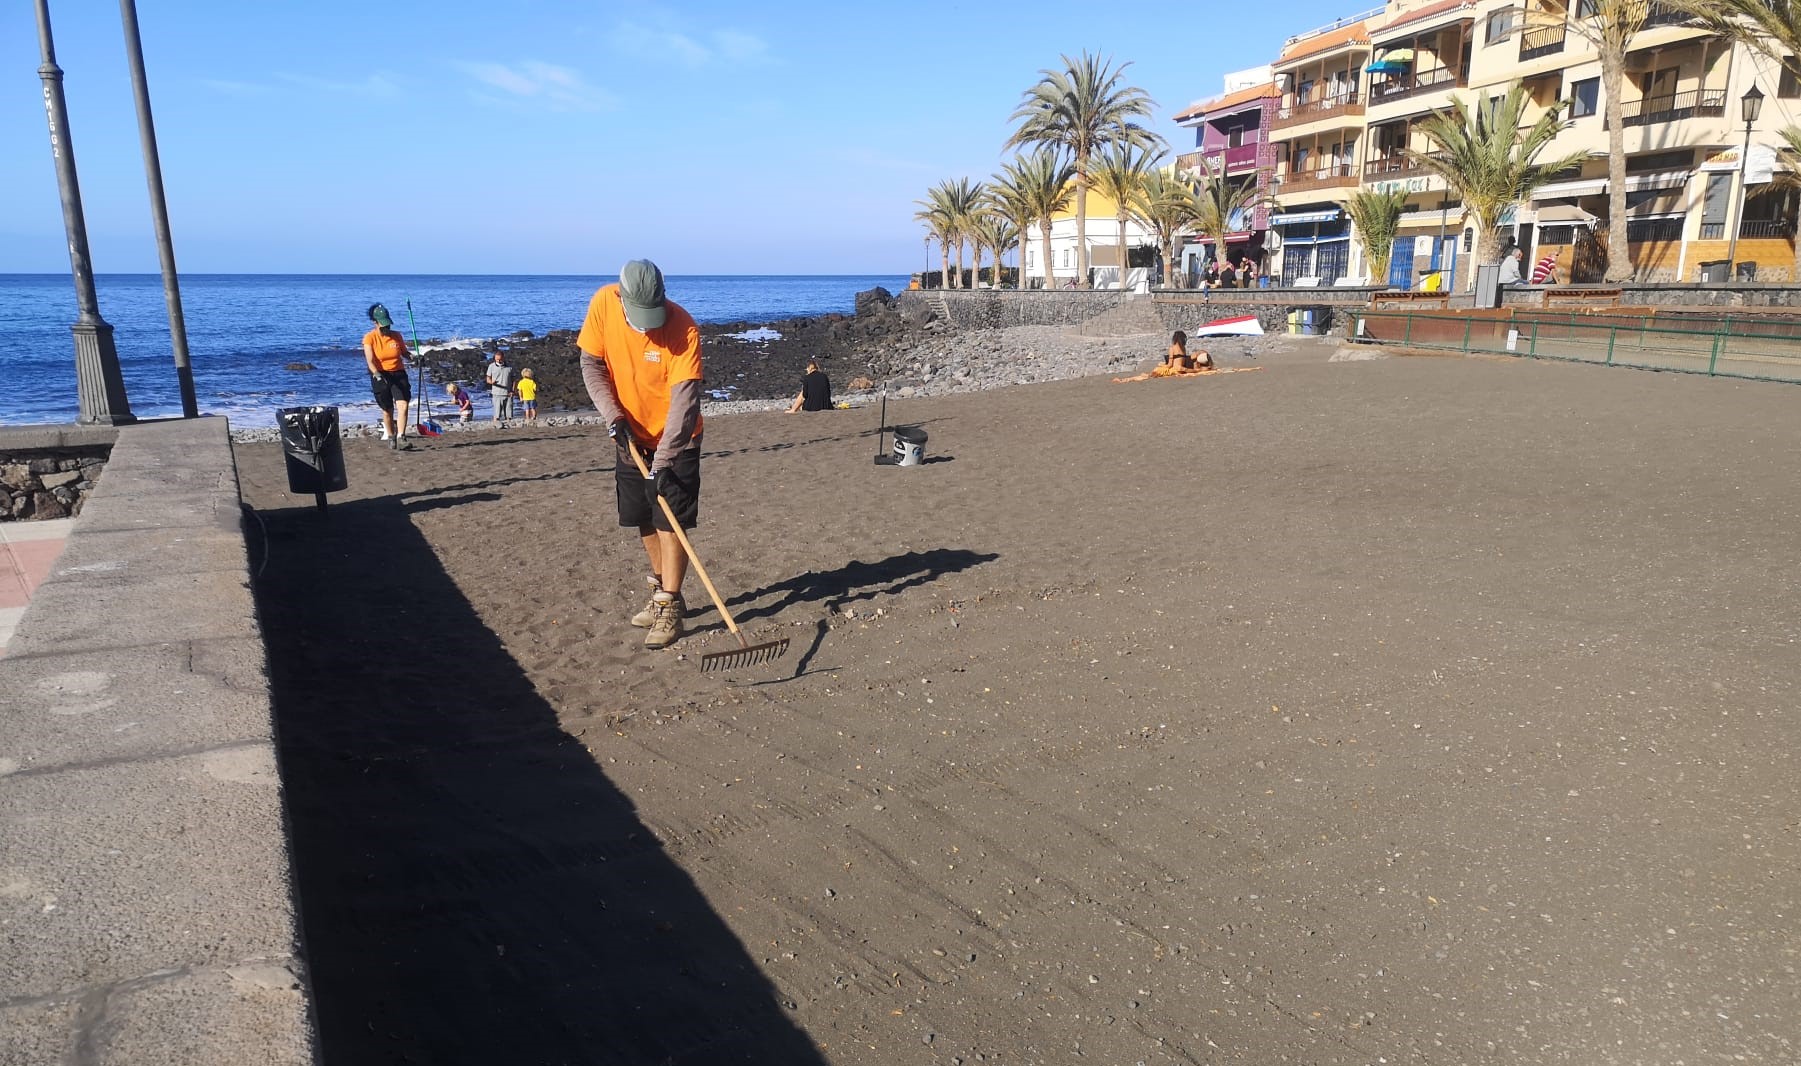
x: 1766, y: 227
x: 1395, y: 165
x: 1674, y: 107
x: 1406, y: 85
x: 1349, y: 102
x: 1758, y: 347
x: 1542, y: 41
x: 1320, y: 178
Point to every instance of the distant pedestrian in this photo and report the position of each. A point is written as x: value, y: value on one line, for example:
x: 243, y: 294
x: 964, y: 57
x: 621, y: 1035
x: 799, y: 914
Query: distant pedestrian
x: 528, y: 394
x: 1210, y: 276
x: 385, y: 353
x: 500, y: 387
x: 815, y: 391
x: 1545, y: 272
x: 1247, y: 273
x: 460, y: 397
x: 1511, y: 264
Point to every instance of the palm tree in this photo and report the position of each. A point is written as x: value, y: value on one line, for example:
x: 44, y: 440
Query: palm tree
x: 1119, y: 175
x: 994, y: 231
x: 1220, y: 205
x: 935, y: 214
x: 967, y: 198
x: 1610, y: 26
x: 1376, y: 216
x: 1166, y: 205
x: 1490, y: 161
x: 1036, y: 186
x: 1076, y: 109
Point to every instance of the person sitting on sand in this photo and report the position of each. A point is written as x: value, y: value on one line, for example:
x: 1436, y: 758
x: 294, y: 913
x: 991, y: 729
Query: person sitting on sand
x: 1177, y: 358
x: 528, y: 394
x: 815, y: 391
x: 460, y: 397
x: 385, y: 353
x: 641, y: 364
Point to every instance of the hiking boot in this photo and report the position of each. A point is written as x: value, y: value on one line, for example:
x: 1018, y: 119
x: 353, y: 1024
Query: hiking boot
x: 667, y: 625
x: 644, y: 618
x: 648, y: 616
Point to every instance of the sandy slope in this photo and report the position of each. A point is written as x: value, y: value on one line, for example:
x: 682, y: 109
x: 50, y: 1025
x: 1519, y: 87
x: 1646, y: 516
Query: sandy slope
x: 1416, y: 710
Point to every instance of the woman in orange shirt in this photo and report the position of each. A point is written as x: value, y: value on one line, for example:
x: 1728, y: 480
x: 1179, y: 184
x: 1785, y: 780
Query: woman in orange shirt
x: 384, y: 350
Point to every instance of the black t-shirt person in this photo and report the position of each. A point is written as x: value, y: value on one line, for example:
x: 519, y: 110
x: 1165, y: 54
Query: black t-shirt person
x: 815, y: 391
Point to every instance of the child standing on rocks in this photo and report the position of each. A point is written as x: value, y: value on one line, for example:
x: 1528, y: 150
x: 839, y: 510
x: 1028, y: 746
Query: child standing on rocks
x: 528, y: 394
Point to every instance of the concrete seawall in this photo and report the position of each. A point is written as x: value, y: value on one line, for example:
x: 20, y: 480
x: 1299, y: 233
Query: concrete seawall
x: 146, y: 909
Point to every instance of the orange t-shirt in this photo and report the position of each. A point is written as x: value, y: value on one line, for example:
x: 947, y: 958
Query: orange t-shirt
x: 389, y: 349
x: 643, y: 365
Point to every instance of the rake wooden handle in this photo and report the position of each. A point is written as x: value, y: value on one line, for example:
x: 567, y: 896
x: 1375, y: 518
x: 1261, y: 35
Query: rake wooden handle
x: 675, y: 526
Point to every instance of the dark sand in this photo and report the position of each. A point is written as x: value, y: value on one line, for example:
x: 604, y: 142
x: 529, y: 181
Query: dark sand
x: 1425, y: 710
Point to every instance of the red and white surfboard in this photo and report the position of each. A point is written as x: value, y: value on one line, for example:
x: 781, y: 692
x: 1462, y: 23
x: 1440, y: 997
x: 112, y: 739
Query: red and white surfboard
x: 1241, y: 326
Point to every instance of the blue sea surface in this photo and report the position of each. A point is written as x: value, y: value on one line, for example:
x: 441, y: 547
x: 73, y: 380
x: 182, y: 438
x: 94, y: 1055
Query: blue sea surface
x: 244, y: 329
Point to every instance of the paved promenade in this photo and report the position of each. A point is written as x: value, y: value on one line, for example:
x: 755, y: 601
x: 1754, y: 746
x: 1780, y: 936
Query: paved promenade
x: 145, y: 910
x: 27, y: 550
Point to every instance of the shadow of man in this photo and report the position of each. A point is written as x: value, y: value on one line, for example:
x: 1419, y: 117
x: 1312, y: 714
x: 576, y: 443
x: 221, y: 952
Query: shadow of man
x: 473, y: 888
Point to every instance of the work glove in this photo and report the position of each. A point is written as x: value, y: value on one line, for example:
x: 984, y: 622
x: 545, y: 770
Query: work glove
x: 657, y: 480
x: 621, y: 433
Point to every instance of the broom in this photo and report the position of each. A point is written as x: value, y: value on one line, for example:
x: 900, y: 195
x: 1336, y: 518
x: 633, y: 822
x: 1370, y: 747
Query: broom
x: 746, y: 654
x: 423, y: 422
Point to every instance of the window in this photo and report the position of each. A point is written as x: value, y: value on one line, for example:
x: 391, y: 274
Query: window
x: 1788, y: 87
x: 1559, y: 234
x: 1645, y: 164
x: 1500, y: 26
x: 1585, y: 97
x: 1587, y: 9
x: 1300, y: 161
x: 1653, y: 229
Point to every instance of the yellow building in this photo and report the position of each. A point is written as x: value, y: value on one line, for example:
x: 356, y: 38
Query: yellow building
x: 1353, y: 95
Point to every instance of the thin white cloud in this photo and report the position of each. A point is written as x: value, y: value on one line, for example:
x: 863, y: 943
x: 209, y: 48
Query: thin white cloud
x: 733, y: 47
x: 375, y: 86
x: 235, y: 88
x: 537, y: 81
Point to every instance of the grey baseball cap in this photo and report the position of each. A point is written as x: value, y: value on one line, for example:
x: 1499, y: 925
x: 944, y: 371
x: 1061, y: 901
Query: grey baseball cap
x: 641, y: 291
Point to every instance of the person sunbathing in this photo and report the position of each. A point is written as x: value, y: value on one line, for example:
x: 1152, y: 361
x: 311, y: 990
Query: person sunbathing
x: 1178, y: 359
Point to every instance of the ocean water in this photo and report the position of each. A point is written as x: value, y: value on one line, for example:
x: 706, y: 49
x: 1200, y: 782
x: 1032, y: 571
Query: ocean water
x: 244, y: 329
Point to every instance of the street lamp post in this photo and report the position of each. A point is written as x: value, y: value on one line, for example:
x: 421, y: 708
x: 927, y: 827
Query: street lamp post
x: 99, y: 384
x: 159, y: 209
x: 1444, y: 213
x: 1749, y: 105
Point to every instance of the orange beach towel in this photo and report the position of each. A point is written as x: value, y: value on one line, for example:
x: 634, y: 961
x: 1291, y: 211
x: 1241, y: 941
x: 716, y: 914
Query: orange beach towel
x: 1167, y: 371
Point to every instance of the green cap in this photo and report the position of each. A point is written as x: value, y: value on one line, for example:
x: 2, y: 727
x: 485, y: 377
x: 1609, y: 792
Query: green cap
x: 641, y: 291
x: 379, y: 315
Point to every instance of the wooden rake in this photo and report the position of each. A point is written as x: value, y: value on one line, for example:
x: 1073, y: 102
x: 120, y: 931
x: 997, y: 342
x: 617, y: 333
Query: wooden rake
x: 746, y: 654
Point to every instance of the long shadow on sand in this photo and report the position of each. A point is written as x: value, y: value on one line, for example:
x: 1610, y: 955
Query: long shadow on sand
x: 859, y: 580
x: 473, y: 888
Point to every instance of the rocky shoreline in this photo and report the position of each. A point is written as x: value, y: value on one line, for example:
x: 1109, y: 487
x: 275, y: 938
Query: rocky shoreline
x: 757, y: 366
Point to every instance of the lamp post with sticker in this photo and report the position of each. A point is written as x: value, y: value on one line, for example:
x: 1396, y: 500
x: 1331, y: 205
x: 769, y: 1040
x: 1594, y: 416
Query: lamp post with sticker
x: 99, y: 383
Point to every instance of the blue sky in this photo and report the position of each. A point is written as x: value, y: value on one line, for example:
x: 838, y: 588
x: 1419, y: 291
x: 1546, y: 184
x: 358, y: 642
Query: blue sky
x: 553, y: 136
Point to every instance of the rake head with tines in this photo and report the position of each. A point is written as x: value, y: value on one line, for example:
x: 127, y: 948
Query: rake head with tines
x: 748, y: 655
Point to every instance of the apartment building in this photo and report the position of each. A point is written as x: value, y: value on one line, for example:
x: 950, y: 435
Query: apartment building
x: 1350, y: 98
x: 1233, y: 138
x: 1108, y: 262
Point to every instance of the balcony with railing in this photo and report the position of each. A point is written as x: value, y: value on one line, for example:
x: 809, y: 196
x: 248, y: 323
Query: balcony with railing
x: 1331, y: 176
x: 1347, y: 104
x: 1402, y: 86
x: 1542, y: 41
x: 1673, y: 107
x: 1752, y: 229
x: 1395, y: 165
x: 1664, y: 15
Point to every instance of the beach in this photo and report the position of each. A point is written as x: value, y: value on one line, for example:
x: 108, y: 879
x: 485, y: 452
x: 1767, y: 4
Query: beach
x: 1425, y: 710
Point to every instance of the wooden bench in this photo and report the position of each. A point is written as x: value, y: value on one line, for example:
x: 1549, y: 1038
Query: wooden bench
x: 1410, y: 300
x: 1565, y: 295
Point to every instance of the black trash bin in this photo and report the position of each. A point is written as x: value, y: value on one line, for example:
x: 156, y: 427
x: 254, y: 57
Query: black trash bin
x: 314, y: 451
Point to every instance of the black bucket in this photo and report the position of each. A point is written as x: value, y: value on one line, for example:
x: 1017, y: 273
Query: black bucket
x: 909, y: 445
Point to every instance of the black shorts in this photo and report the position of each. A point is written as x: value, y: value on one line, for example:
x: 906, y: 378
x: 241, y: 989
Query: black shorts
x: 638, y: 505
x: 390, y: 385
